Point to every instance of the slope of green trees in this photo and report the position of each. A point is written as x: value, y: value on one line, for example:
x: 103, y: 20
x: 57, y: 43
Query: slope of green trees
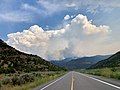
x: 113, y: 61
x: 14, y: 61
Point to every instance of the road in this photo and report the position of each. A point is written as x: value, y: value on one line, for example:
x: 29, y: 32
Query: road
x: 77, y: 81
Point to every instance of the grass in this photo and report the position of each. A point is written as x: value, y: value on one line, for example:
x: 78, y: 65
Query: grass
x: 105, y: 72
x: 37, y: 81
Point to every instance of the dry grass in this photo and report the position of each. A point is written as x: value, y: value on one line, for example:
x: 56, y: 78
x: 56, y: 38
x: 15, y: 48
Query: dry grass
x: 30, y: 85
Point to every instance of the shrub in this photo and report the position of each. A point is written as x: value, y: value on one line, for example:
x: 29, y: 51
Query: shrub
x: 6, y: 81
x: 116, y: 75
x: 0, y: 84
x: 15, y: 80
x: 18, y: 80
x: 28, y: 77
x: 106, y: 72
x: 37, y: 74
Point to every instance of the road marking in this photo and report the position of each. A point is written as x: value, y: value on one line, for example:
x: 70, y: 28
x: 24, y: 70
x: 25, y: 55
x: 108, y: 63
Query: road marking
x: 72, y: 82
x: 54, y: 81
x: 100, y: 81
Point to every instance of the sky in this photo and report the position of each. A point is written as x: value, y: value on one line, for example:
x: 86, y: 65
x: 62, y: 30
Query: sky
x: 58, y: 29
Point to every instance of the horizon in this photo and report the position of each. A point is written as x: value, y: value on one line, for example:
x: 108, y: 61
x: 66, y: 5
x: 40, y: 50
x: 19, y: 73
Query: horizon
x: 57, y: 30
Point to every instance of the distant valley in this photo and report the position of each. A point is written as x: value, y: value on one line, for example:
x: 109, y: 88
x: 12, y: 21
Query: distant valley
x: 80, y: 63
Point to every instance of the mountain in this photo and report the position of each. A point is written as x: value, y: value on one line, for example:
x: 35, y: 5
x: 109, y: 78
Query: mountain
x: 80, y: 63
x: 12, y: 61
x: 62, y: 63
x: 113, y: 61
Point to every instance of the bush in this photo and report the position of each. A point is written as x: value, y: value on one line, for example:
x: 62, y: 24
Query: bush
x: 15, y: 80
x: 6, y: 81
x: 0, y: 84
x: 116, y: 75
x: 37, y: 74
x: 20, y: 79
x: 106, y: 72
x: 28, y: 77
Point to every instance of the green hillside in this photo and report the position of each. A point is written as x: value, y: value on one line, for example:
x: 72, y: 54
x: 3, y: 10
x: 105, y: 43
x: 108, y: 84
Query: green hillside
x: 113, y: 61
x: 14, y: 61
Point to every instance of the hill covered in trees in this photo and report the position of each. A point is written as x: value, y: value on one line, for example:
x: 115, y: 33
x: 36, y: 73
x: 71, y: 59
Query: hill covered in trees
x: 79, y: 63
x: 14, y: 61
x: 113, y: 61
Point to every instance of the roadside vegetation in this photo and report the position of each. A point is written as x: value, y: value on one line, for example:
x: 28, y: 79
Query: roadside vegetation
x: 105, y: 72
x: 27, y: 81
x: 21, y: 71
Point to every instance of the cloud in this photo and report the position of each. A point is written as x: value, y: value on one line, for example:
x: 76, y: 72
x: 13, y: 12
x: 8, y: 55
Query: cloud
x: 18, y: 11
x: 15, y: 16
x: 11, y: 12
x: 78, y: 38
x: 70, y: 5
x: 66, y: 17
x: 50, y: 7
x: 31, y: 8
x: 92, y: 6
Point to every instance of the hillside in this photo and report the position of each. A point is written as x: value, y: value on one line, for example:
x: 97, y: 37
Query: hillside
x: 80, y: 63
x: 12, y: 61
x: 113, y: 61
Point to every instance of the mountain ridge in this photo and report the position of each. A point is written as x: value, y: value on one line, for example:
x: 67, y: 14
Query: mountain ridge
x: 80, y: 63
x: 112, y: 61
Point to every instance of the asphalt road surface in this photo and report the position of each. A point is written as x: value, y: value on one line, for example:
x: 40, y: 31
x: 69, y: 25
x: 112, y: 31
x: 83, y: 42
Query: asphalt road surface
x: 77, y: 81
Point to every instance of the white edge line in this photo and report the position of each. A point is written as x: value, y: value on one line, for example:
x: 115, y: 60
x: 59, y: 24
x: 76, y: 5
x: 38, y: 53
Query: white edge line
x: 100, y: 81
x: 54, y: 82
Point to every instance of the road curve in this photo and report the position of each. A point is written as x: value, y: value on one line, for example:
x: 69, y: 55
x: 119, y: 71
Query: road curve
x: 77, y: 81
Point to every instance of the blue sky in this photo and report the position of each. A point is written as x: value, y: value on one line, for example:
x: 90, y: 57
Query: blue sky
x: 18, y: 15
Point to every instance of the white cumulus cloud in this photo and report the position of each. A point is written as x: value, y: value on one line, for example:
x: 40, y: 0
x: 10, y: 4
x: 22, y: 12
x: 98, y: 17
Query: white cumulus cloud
x: 66, y: 17
x: 78, y: 38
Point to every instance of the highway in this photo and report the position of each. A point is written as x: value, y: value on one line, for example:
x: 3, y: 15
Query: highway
x: 77, y: 81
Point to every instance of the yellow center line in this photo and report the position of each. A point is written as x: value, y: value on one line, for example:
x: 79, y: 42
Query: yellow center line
x: 72, y: 84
